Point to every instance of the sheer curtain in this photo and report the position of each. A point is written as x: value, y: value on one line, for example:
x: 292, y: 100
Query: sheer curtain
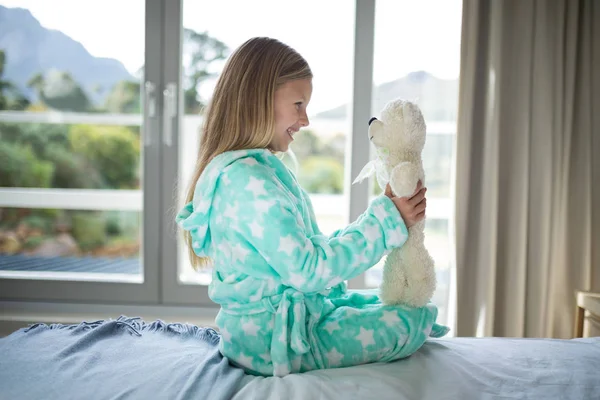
x: 528, y: 166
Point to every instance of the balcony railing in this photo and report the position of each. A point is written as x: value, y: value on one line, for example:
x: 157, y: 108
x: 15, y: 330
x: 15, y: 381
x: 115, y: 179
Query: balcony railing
x: 131, y: 200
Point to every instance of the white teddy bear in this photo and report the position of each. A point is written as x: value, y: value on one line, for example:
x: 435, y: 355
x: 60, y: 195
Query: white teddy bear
x: 399, y: 137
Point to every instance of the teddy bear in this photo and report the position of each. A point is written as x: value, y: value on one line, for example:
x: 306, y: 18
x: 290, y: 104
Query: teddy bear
x: 399, y: 137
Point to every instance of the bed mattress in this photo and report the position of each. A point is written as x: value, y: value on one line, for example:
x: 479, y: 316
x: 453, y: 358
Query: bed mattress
x: 128, y: 358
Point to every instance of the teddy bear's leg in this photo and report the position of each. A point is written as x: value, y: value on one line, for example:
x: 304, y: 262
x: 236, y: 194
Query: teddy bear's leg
x: 408, y: 275
x: 409, y: 271
x: 394, y: 285
x: 419, y: 268
x: 404, y: 178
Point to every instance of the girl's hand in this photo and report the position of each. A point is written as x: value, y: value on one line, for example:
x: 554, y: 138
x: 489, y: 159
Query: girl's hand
x: 412, y: 209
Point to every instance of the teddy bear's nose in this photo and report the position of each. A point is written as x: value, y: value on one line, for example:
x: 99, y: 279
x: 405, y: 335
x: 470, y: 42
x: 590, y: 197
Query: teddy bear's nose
x: 372, y: 119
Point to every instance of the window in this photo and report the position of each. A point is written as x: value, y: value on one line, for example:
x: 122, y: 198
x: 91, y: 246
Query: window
x: 74, y: 149
x: 100, y: 128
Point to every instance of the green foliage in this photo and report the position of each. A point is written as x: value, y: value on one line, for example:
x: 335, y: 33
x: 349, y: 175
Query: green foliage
x: 2, y: 61
x: 48, y: 213
x: 113, y: 150
x: 86, y: 157
x: 124, y: 98
x: 38, y: 221
x: 21, y: 168
x: 191, y: 101
x: 89, y: 230
x: 10, y: 133
x: 41, y: 137
x: 10, y: 97
x: 35, y: 221
x: 73, y: 171
x: 320, y: 174
x: 34, y: 241
x: 58, y: 90
x: 203, y: 50
x: 113, y: 224
x: 321, y: 162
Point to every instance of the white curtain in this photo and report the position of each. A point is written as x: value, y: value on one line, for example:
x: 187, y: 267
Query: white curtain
x: 528, y: 166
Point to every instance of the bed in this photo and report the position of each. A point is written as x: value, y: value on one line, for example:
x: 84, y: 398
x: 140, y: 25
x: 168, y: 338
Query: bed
x: 128, y: 358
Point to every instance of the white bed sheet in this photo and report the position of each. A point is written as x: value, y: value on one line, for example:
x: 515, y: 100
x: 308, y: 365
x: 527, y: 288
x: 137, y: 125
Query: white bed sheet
x: 453, y: 368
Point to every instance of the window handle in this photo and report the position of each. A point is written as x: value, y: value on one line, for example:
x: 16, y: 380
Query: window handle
x: 149, y: 110
x: 170, y: 101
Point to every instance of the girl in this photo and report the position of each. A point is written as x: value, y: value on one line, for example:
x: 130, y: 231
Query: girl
x: 278, y: 279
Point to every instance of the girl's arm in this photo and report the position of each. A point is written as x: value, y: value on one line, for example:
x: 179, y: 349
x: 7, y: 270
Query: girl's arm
x: 268, y: 225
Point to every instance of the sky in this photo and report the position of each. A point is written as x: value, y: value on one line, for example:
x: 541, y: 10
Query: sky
x: 410, y: 35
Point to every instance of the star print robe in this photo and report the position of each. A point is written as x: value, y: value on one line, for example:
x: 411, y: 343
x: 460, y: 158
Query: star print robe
x: 280, y: 282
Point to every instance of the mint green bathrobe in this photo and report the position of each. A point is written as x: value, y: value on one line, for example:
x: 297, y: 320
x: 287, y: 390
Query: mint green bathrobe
x: 280, y: 281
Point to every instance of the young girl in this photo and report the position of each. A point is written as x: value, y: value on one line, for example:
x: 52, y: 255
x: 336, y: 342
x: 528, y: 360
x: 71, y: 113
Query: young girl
x: 278, y: 279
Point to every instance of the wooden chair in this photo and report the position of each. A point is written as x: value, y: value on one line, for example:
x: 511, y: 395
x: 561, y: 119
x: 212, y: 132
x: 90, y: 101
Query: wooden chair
x: 587, y: 302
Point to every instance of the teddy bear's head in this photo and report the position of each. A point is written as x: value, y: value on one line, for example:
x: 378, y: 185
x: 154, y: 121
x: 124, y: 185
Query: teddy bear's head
x: 400, y: 126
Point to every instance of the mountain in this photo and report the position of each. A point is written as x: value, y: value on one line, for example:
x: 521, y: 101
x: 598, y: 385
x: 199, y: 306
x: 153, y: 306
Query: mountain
x: 32, y: 49
x: 437, y: 98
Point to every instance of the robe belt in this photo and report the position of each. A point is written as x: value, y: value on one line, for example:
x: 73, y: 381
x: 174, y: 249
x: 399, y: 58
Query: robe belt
x: 290, y: 308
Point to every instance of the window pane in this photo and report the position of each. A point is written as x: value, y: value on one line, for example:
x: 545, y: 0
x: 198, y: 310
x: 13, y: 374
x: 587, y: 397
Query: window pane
x: 70, y: 122
x: 426, y: 72
x: 212, y: 32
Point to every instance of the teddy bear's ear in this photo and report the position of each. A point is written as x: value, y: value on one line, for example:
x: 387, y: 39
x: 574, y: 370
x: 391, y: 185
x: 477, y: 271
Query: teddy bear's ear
x: 368, y: 170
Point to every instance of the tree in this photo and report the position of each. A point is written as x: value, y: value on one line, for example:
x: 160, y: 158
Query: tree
x: 10, y: 97
x: 113, y: 150
x: 37, y: 136
x: 200, y: 51
x: 4, y: 85
x: 124, y: 98
x: 21, y: 168
x: 58, y: 90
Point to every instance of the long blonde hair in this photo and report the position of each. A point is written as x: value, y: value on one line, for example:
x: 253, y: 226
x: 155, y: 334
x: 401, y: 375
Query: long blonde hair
x: 241, y: 113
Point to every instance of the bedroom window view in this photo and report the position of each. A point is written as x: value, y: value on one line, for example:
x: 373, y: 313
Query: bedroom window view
x: 70, y: 141
x: 320, y: 148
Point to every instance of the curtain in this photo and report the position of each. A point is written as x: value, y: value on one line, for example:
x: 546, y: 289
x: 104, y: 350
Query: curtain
x: 527, y: 176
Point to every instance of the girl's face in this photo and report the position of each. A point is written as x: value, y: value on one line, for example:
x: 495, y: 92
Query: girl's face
x: 291, y: 100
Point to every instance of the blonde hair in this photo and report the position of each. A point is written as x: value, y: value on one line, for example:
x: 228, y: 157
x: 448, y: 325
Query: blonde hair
x: 241, y: 113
